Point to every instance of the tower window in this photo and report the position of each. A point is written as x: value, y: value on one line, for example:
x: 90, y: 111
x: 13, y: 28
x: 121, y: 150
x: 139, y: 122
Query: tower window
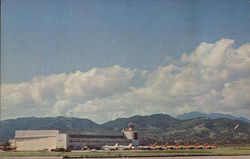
x: 136, y: 136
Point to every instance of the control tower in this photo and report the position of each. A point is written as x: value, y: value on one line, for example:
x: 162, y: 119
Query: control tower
x: 132, y: 134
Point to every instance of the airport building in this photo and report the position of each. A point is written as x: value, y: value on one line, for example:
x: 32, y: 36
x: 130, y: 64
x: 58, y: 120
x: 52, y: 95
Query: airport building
x: 51, y: 139
x: 38, y: 139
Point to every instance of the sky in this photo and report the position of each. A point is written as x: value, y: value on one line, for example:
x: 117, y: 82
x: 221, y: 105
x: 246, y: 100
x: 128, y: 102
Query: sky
x: 107, y: 59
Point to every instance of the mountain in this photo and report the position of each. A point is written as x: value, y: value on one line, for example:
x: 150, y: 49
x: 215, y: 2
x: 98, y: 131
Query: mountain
x: 192, y: 115
x: 149, y: 123
x: 8, y: 127
x: 160, y: 128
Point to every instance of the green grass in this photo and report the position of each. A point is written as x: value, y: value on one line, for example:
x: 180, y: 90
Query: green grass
x: 29, y: 153
x: 244, y: 150
x: 225, y: 152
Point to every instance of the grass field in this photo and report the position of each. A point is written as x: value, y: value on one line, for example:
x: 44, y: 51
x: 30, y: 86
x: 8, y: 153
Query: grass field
x: 245, y: 150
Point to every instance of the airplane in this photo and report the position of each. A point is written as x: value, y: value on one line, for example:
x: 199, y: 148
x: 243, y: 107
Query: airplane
x: 153, y: 146
x: 187, y: 146
x: 171, y: 147
x: 143, y: 147
x: 123, y: 147
x: 198, y: 146
x: 165, y: 147
x: 168, y: 147
x: 214, y: 146
x: 110, y: 148
x: 207, y: 146
x: 177, y: 146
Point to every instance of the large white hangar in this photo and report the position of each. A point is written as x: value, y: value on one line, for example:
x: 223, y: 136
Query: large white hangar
x: 38, y: 139
x: 51, y: 139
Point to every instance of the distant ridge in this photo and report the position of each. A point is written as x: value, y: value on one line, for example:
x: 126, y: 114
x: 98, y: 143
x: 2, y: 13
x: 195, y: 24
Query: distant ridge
x: 192, y: 115
x: 156, y: 128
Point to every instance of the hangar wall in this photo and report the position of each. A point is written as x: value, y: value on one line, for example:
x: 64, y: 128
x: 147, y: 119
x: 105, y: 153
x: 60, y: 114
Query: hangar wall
x: 36, y: 143
x: 38, y: 139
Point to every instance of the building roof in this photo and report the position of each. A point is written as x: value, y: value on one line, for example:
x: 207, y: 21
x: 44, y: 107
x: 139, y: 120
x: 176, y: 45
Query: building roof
x: 35, y: 133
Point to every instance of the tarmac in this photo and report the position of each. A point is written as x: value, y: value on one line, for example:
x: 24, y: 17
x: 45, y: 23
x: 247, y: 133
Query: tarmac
x: 188, y: 157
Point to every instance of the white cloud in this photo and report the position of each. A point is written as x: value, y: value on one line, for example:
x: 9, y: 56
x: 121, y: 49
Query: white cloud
x: 62, y: 107
x: 98, y: 82
x: 64, y: 91
x: 236, y: 93
x: 212, y: 78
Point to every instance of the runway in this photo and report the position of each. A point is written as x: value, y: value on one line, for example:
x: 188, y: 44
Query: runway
x: 189, y: 157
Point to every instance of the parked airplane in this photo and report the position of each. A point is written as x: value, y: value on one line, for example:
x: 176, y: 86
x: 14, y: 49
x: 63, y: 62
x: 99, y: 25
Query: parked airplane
x: 165, y: 147
x: 170, y: 147
x: 177, y: 146
x: 110, y: 148
x: 123, y: 147
x: 214, y: 146
x: 155, y: 147
x: 187, y: 146
x: 209, y: 146
x: 198, y: 146
x: 143, y: 147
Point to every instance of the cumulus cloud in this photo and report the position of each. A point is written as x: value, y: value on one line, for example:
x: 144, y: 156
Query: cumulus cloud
x: 62, y: 107
x: 98, y: 82
x: 61, y: 92
x: 215, y: 77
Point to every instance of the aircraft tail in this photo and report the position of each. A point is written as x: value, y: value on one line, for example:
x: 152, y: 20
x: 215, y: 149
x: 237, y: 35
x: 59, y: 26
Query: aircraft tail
x: 116, y: 145
x: 154, y: 145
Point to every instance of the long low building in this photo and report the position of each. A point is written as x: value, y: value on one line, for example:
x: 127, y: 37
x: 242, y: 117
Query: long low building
x: 51, y: 139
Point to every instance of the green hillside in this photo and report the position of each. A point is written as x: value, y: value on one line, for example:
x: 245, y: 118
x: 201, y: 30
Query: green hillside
x: 192, y: 115
x: 8, y: 127
x: 160, y: 128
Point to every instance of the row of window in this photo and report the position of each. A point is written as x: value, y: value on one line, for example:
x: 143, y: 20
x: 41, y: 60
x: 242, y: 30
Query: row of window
x: 92, y: 140
x: 97, y: 136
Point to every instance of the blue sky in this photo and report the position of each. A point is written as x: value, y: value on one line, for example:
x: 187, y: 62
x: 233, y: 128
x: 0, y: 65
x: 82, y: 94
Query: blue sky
x: 104, y: 59
x: 41, y: 37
